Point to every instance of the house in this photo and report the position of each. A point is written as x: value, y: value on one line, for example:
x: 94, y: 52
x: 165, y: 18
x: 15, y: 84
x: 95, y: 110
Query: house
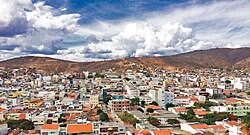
x: 50, y: 129
x: 194, y: 128
x: 200, y: 113
x: 149, y: 132
x: 79, y: 128
x: 178, y: 110
x: 217, y: 129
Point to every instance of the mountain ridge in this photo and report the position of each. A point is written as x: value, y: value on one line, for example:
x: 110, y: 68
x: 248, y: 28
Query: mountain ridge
x: 237, y: 58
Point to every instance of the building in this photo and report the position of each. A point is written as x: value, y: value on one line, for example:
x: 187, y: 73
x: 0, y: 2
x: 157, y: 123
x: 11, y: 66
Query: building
x: 194, y: 128
x: 50, y: 129
x: 119, y: 105
x: 73, y: 129
x: 35, y: 103
x: 94, y: 100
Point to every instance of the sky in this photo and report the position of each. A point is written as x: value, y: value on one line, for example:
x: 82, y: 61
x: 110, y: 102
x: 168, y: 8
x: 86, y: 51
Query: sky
x: 92, y: 30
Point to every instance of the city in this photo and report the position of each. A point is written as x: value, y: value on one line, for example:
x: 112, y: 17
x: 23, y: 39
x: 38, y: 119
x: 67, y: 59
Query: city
x: 155, y: 102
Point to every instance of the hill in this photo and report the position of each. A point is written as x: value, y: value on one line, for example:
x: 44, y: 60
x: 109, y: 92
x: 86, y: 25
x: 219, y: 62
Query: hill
x: 218, y: 58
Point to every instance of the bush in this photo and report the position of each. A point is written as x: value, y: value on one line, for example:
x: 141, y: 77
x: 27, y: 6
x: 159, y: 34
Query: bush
x: 154, y: 103
x: 22, y: 124
x: 140, y: 109
x: 150, y: 110
x: 103, y: 117
x: 154, y: 121
x: 126, y: 117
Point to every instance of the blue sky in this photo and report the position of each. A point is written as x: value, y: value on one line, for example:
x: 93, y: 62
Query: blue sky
x: 86, y: 30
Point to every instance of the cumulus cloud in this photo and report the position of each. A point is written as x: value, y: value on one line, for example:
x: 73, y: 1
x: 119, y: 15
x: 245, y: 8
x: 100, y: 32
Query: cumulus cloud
x: 33, y: 28
x: 142, y: 39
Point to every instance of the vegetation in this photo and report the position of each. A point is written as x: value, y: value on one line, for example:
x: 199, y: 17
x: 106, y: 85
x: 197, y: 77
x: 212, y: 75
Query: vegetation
x: 246, y: 122
x: 97, y: 75
x: 135, y: 101
x: 99, y: 111
x: 140, y: 109
x: 154, y: 103
x: 173, y: 122
x: 103, y: 117
x: 205, y: 105
x: 61, y: 120
x: 143, y: 103
x: 150, y: 110
x: 127, y: 117
x: 106, y: 99
x: 169, y: 105
x: 22, y: 124
x: 154, y: 121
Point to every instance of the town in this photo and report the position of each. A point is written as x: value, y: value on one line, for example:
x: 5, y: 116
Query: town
x: 134, y: 102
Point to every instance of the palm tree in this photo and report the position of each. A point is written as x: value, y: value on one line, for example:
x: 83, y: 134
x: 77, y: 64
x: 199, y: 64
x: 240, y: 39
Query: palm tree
x: 246, y: 122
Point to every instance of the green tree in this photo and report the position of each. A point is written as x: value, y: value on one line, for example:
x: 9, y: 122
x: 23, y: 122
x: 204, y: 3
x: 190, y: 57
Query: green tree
x: 173, y: 122
x: 99, y: 111
x: 106, y: 99
x: 103, y: 117
x: 22, y: 124
x: 60, y: 120
x: 135, y: 101
x: 228, y: 82
x: 150, y: 110
x: 246, y: 122
x: 154, y: 103
x: 190, y: 111
x: 169, y: 105
x: 140, y: 109
x: 143, y: 103
x: 154, y: 121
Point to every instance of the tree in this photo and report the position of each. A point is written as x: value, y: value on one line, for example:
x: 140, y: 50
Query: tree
x: 150, y: 110
x: 22, y: 124
x: 143, y: 103
x: 173, y: 122
x: 169, y: 105
x: 154, y: 121
x: 135, y: 101
x: 106, y: 99
x: 103, y: 117
x: 60, y: 120
x: 140, y: 109
x: 154, y: 103
x: 246, y: 122
x: 99, y: 111
x: 228, y: 82
x: 190, y: 111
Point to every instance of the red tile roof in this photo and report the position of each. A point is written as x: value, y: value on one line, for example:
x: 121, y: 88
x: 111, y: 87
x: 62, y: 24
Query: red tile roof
x: 216, y: 127
x: 232, y: 123
x: 2, y: 110
x: 199, y: 126
x: 50, y: 127
x: 180, y: 109
x: 22, y: 116
x: 79, y: 128
x: 162, y: 132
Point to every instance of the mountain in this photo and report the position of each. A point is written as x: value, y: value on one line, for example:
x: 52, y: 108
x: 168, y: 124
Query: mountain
x: 218, y: 58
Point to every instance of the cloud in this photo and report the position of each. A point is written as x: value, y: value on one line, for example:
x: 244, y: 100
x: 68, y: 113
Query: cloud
x: 142, y: 39
x: 221, y: 21
x: 33, y: 28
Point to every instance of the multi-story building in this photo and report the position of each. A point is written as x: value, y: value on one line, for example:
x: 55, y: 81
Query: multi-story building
x: 94, y: 100
x: 119, y: 105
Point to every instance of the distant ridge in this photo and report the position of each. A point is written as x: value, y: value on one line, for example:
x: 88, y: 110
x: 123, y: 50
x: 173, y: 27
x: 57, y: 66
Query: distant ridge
x: 238, y: 58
